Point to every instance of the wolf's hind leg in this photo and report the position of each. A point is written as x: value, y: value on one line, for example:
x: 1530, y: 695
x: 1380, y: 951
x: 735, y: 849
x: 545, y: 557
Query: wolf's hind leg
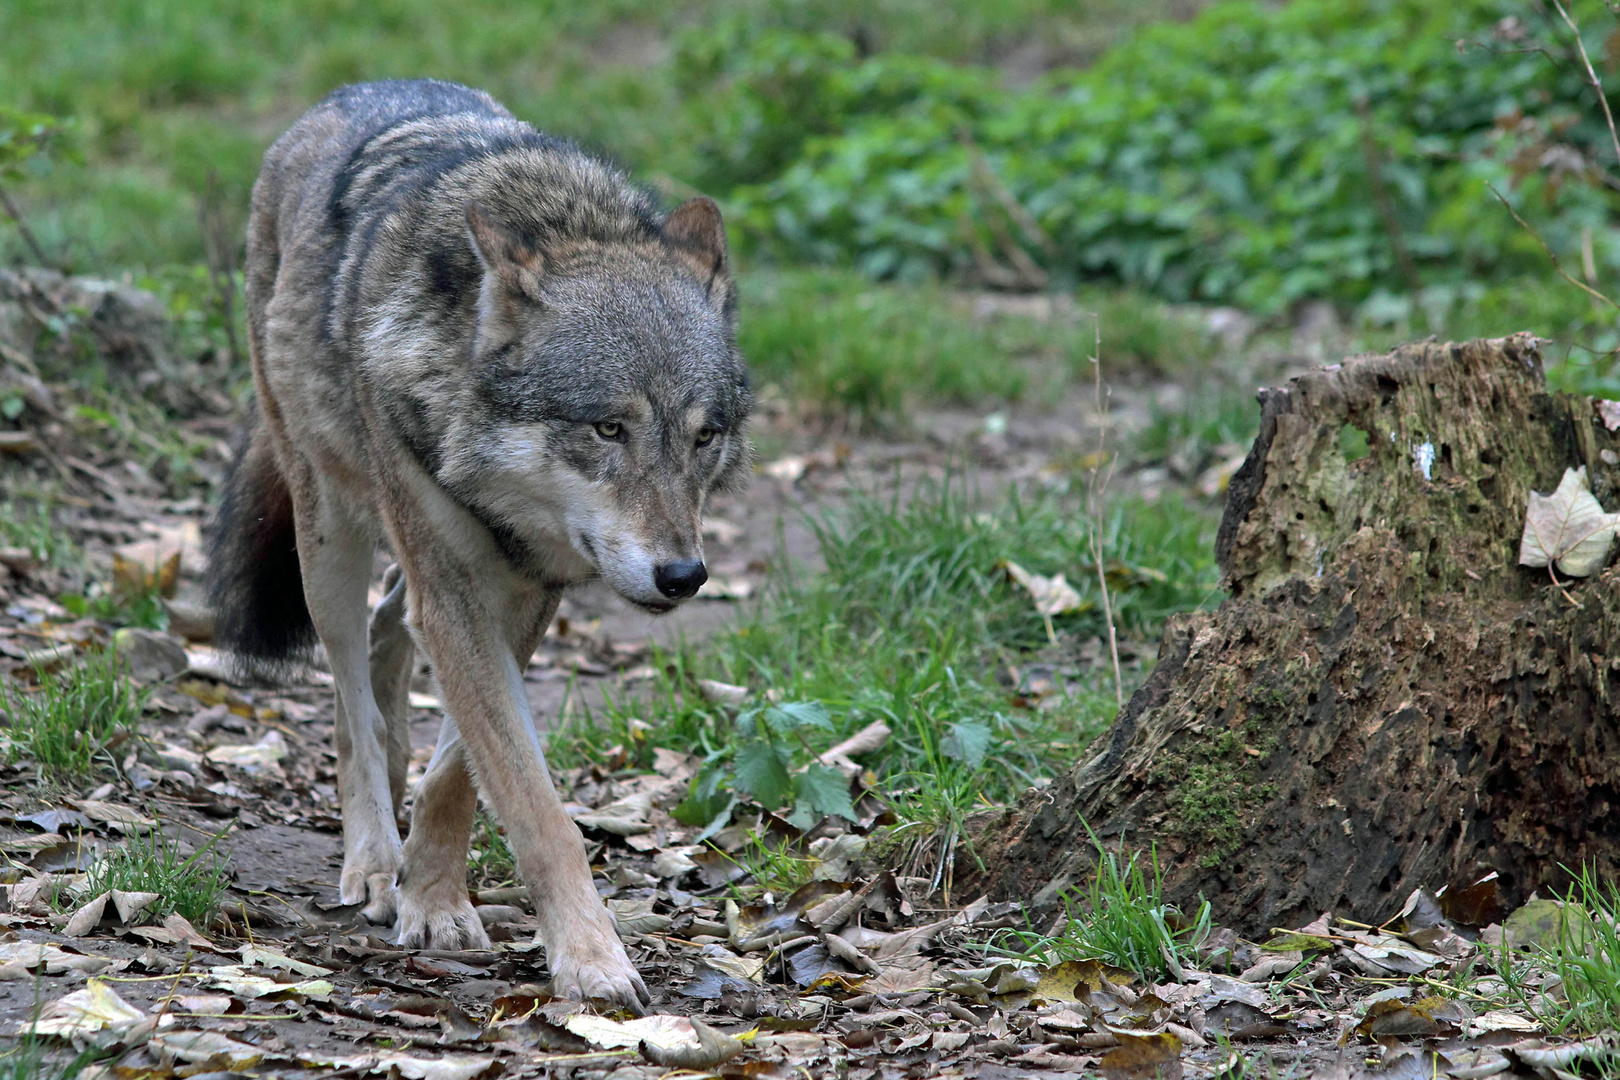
x: 335, y: 552
x: 434, y: 909
x: 393, y: 656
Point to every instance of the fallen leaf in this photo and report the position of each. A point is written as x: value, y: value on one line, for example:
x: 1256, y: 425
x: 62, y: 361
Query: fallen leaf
x: 219, y: 1050
x: 1139, y: 1057
x: 95, y: 1008
x: 1609, y: 412
x: 87, y: 917
x: 671, y: 1041
x: 262, y: 756
x: 626, y: 817
x: 232, y: 978
x: 1052, y: 595
x: 19, y: 958
x: 1549, y: 925
x: 1499, y: 1020
x: 178, y: 925
x: 719, y: 693
x: 1568, y: 528
x: 255, y: 954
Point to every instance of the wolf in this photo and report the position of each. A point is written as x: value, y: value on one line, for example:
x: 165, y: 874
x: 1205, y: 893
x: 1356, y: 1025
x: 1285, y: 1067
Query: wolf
x: 488, y: 350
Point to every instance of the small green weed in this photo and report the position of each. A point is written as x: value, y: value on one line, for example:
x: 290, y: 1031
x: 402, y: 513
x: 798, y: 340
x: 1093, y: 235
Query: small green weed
x: 1575, y: 987
x: 75, y: 716
x: 489, y: 860
x: 28, y: 520
x: 774, y: 868
x: 140, y: 606
x: 189, y: 885
x: 1122, y: 921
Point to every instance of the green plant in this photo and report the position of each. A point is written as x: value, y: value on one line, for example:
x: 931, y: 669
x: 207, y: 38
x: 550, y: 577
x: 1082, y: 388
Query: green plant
x: 123, y: 605
x: 1122, y: 920
x: 1250, y: 155
x: 759, y: 763
x: 27, y: 520
x: 490, y: 863
x: 1574, y: 986
x: 775, y: 867
x: 76, y: 715
x: 188, y: 885
x: 912, y: 626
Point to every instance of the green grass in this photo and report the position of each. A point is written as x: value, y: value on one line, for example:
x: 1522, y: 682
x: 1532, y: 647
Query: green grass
x: 841, y: 343
x: 1216, y: 419
x: 28, y: 520
x: 1584, y: 965
x: 913, y: 625
x: 167, y: 93
x: 74, y: 718
x: 188, y: 885
x: 1121, y: 920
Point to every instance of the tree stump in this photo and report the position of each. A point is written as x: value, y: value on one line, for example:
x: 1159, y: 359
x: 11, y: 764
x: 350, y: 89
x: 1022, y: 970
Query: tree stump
x: 1386, y: 700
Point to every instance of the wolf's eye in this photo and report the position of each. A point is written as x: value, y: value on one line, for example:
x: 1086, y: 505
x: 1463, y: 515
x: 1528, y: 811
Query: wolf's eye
x: 609, y: 429
x: 706, y: 435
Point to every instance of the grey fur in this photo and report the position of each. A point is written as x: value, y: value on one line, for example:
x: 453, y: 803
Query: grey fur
x: 488, y: 348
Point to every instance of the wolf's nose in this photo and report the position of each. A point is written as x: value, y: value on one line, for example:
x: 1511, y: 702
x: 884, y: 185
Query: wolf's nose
x: 680, y: 579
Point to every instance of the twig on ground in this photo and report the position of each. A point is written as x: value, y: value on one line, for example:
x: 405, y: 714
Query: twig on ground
x: 1094, y: 497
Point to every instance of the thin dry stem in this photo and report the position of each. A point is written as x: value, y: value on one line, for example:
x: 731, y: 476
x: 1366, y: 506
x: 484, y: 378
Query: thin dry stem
x: 23, y: 230
x: 1095, y: 497
x: 1591, y: 75
x: 1551, y: 254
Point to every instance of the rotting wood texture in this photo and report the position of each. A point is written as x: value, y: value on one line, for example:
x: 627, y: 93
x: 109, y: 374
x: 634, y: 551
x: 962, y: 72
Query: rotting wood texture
x: 1386, y: 700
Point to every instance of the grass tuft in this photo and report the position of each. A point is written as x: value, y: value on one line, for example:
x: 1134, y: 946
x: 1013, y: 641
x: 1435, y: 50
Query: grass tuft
x: 1121, y: 920
x: 1573, y: 988
x: 188, y: 885
x: 75, y: 717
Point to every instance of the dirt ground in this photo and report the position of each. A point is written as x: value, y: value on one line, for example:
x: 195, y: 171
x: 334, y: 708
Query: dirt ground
x: 862, y: 973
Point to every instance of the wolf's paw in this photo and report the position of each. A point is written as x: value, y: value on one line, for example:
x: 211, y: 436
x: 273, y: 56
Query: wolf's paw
x: 438, y: 918
x: 588, y: 965
x: 368, y: 878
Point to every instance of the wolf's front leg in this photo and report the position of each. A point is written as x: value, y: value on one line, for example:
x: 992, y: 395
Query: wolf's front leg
x: 335, y: 553
x: 472, y: 639
x: 434, y: 909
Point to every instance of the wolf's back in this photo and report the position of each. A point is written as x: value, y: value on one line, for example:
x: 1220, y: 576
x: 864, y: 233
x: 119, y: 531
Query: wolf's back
x: 303, y: 221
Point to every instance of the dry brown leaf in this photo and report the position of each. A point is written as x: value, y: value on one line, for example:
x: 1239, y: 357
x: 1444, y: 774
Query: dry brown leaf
x: 1053, y: 595
x: 1568, y: 528
x: 1140, y: 1057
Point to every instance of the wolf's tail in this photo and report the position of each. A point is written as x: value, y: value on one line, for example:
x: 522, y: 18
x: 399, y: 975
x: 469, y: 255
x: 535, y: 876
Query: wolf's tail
x: 254, y: 582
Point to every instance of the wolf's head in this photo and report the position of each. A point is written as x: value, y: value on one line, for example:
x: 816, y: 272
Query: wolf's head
x: 612, y: 399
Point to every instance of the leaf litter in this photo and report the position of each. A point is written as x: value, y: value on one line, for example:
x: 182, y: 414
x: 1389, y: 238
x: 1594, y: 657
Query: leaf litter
x: 858, y: 972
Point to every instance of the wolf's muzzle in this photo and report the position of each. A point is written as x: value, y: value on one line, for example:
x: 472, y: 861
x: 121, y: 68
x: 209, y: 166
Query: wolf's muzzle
x: 680, y: 579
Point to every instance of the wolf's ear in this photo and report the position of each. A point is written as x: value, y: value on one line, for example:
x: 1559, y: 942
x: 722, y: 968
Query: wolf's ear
x: 695, y: 232
x: 508, y: 259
